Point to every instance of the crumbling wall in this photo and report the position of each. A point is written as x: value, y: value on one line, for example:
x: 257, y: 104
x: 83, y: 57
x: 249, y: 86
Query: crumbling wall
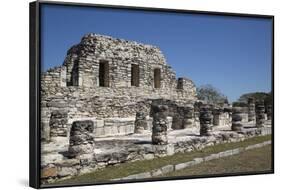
x: 75, y: 86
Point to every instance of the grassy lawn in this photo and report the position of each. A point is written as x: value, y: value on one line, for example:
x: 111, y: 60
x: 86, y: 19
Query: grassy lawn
x: 253, y: 160
x: 130, y: 168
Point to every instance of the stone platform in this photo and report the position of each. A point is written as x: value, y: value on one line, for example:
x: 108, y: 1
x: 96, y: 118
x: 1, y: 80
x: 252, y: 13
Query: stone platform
x: 58, y: 164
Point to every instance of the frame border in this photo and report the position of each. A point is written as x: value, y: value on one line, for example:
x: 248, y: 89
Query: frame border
x: 35, y: 89
x: 34, y: 96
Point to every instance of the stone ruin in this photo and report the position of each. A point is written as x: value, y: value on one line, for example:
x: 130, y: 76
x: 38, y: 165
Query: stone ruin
x: 251, y: 110
x: 260, y: 114
x: 107, y: 79
x: 160, y: 124
x: 269, y: 112
x: 111, y: 97
x: 81, y: 138
x: 237, y: 116
x: 206, y: 121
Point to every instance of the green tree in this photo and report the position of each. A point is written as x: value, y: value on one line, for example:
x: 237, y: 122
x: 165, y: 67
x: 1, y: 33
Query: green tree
x: 210, y: 94
x: 258, y: 96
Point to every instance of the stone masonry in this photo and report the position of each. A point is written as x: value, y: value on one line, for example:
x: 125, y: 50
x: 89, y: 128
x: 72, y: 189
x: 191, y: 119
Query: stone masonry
x: 269, y: 112
x: 105, y: 88
x: 114, y: 101
x: 141, y: 123
x: 237, y: 115
x: 160, y: 124
x: 188, y: 119
x: 104, y: 78
x: 206, y: 120
x: 260, y: 114
x: 221, y: 116
x: 81, y: 138
x: 58, y: 121
x: 251, y: 110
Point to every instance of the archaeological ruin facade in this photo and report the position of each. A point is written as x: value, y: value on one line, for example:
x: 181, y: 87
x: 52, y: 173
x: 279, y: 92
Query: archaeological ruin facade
x: 110, y: 80
x: 110, y: 95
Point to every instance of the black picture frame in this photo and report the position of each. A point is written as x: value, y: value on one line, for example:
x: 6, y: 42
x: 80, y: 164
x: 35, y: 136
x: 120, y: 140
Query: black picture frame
x: 34, y: 98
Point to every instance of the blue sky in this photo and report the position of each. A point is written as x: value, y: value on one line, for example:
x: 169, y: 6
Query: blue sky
x: 231, y: 53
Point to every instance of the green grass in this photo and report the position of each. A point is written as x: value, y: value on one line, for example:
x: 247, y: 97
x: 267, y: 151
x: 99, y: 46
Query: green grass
x: 254, y: 160
x: 130, y: 168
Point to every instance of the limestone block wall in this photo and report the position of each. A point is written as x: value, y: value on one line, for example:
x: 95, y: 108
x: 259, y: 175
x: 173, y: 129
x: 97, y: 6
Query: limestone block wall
x: 245, y: 114
x: 120, y: 55
x: 75, y: 85
x: 53, y: 78
x: 82, y: 63
x: 223, y: 119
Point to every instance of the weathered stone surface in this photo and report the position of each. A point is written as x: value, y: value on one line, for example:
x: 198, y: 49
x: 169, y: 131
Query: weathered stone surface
x: 170, y: 168
x: 156, y: 172
x: 148, y: 156
x: 178, y: 116
x: 260, y: 114
x: 79, y: 91
x: 141, y: 122
x: 183, y: 116
x: 75, y: 91
x: 225, y: 153
x: 222, y: 115
x: 188, y: 117
x: 103, y: 157
x: 67, y: 171
x: 236, y: 151
x: 69, y: 163
x: 120, y: 106
x: 251, y: 110
x: 170, y: 121
x: 185, y: 165
x: 45, y: 131
x: 180, y: 166
x: 138, y: 176
x: 58, y: 123
x: 167, y: 169
x: 237, y: 119
x: 170, y: 149
x: 160, y: 124
x: 217, y: 113
x: 81, y: 138
x: 48, y: 172
x: 269, y: 112
x: 50, y: 158
x: 85, y: 170
x: 211, y: 157
x: 198, y: 160
x: 118, y: 151
x: 118, y: 126
x: 206, y: 120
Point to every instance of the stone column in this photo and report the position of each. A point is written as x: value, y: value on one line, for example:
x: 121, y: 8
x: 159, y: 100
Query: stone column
x: 251, y: 110
x: 188, y: 117
x: 197, y: 114
x: 58, y: 123
x: 178, y: 117
x: 245, y: 114
x: 196, y: 119
x: 160, y: 124
x: 140, y: 123
x: 237, y: 114
x: 228, y: 114
x: 81, y: 138
x: 260, y: 114
x: 206, y: 120
x: 269, y: 112
x: 217, y: 112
